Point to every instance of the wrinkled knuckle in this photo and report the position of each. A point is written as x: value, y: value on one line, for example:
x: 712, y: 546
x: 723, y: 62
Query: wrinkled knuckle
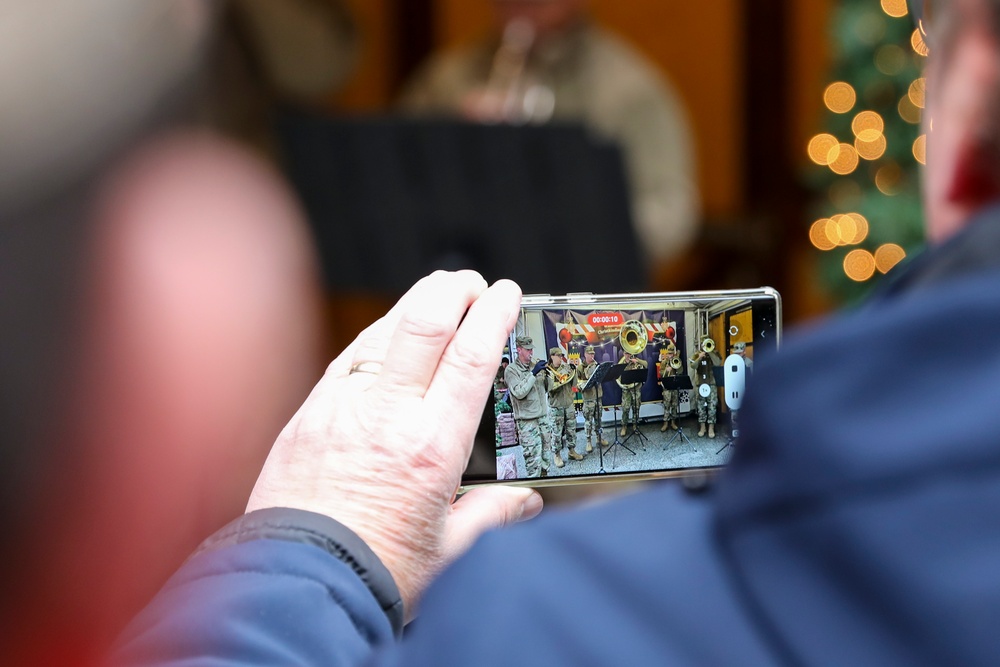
x: 468, y: 356
x: 419, y: 326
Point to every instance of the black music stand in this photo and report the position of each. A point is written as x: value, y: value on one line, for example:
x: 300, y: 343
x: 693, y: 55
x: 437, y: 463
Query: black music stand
x: 676, y: 383
x: 614, y: 372
x: 635, y: 376
x: 598, y: 378
x: 392, y: 198
x: 733, y: 433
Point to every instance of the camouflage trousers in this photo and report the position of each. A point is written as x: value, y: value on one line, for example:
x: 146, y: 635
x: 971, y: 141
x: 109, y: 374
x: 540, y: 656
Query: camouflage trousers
x: 592, y: 418
x: 670, y: 404
x: 563, y: 428
x: 534, y: 436
x: 631, y: 402
x: 707, y: 407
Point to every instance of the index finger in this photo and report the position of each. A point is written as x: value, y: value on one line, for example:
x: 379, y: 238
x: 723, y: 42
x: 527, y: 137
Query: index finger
x: 429, y: 316
x: 470, y: 362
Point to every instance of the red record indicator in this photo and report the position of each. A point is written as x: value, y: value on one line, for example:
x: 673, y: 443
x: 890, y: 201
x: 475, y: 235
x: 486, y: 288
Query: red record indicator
x: 598, y: 320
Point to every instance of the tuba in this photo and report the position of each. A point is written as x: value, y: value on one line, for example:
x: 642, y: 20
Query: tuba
x: 633, y: 337
x: 675, y: 363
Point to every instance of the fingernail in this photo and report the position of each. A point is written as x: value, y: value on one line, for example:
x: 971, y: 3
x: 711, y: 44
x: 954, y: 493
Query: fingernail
x: 531, y: 507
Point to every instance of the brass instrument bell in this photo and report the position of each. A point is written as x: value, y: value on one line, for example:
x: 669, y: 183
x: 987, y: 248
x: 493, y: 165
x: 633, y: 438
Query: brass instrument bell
x: 633, y: 337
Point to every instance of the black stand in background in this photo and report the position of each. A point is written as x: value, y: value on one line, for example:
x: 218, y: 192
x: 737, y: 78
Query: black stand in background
x: 597, y: 378
x: 635, y: 376
x: 720, y: 379
x: 390, y: 199
x: 614, y: 372
x: 730, y: 441
x: 676, y: 383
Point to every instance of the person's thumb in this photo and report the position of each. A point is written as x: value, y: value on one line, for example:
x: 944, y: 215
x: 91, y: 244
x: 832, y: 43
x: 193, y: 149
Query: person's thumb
x: 485, y: 508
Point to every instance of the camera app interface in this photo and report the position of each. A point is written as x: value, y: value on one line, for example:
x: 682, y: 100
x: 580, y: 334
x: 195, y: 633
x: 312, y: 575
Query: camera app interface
x: 628, y: 388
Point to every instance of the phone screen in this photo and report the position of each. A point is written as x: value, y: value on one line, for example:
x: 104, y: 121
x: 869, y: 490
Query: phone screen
x: 670, y: 372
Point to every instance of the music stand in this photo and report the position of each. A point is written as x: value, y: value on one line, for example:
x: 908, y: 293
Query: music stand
x: 634, y: 376
x: 614, y: 372
x: 598, y: 378
x: 732, y: 431
x: 719, y: 373
x: 676, y: 383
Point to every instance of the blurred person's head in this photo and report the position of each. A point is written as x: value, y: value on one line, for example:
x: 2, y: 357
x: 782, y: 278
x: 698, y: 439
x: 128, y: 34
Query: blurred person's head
x: 163, y: 321
x: 547, y: 17
x: 962, y: 113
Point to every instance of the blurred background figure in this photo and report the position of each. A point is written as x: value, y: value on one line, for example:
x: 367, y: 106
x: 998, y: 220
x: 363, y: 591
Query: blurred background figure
x: 160, y: 316
x: 270, y: 54
x: 547, y: 60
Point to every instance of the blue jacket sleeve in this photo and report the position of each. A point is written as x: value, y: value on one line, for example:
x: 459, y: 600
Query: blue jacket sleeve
x: 275, y: 587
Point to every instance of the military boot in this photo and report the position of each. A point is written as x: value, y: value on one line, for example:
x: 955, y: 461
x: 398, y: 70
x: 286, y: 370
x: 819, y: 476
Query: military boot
x: 701, y: 429
x: 711, y: 430
x: 673, y: 425
x: 624, y: 429
x: 558, y: 461
x: 575, y: 455
x: 590, y: 447
x: 664, y: 427
x: 603, y: 441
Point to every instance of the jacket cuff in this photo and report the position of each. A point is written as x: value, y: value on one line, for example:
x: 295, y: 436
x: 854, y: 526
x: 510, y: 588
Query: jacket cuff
x: 293, y: 525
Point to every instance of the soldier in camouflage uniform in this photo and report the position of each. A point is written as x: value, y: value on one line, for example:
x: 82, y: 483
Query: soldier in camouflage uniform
x: 665, y: 369
x: 591, y: 398
x: 631, y: 393
x: 702, y: 375
x: 559, y: 377
x: 530, y: 403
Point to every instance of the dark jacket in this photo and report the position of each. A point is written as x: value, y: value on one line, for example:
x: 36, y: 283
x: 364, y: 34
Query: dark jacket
x: 857, y: 525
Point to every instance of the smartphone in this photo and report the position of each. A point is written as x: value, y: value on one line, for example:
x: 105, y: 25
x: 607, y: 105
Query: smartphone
x: 610, y: 387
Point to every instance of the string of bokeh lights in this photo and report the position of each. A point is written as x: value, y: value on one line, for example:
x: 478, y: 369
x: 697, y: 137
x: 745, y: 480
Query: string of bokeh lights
x: 869, y: 144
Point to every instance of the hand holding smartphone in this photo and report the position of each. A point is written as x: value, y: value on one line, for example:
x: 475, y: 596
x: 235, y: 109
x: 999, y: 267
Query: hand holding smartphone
x: 602, y: 387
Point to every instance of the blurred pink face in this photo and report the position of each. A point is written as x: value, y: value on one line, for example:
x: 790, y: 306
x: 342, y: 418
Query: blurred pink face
x: 202, y: 341
x: 962, y: 73
x: 547, y: 16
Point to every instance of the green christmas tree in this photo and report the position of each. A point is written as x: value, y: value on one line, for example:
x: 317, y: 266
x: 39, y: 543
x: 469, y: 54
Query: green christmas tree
x: 867, y: 214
